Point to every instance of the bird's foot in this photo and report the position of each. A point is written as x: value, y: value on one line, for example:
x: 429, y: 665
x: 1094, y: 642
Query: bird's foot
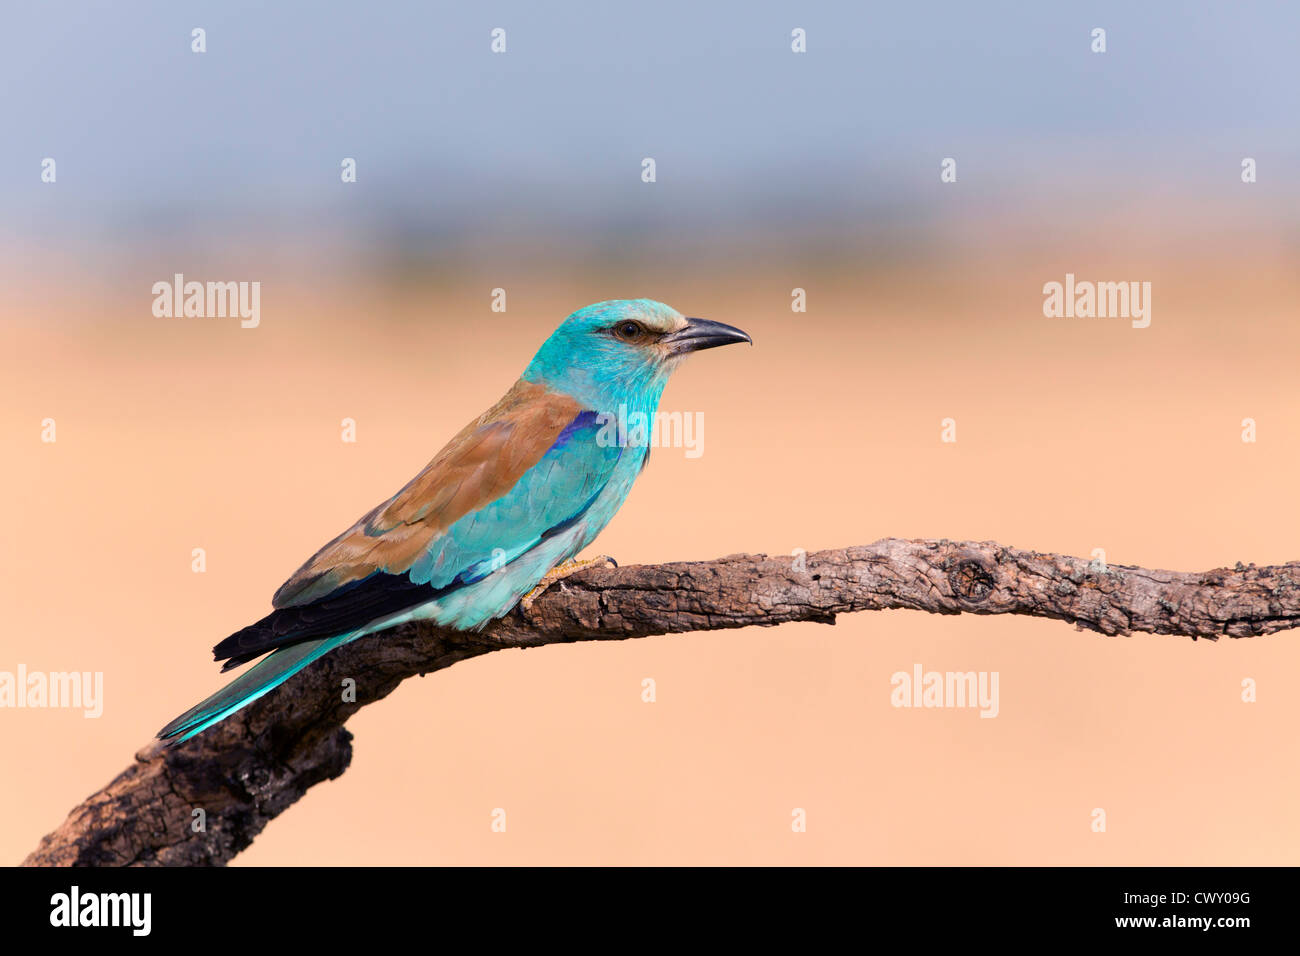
x: 559, y: 572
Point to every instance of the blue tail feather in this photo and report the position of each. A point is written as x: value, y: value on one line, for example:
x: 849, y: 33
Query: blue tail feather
x: 263, y: 677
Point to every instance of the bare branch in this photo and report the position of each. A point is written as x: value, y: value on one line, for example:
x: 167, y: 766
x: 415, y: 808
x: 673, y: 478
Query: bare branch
x: 248, y: 770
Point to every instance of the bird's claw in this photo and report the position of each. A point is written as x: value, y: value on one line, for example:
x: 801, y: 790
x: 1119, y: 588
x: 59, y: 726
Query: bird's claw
x: 558, y: 573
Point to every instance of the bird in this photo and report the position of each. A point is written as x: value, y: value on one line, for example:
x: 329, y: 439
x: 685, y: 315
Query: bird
x: 496, y: 517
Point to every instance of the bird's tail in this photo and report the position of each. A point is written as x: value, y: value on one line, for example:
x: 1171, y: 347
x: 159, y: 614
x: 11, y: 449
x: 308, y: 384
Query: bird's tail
x: 266, y: 675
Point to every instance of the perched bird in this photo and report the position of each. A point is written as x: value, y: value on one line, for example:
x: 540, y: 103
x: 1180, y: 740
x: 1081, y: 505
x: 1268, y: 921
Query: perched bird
x: 499, y: 512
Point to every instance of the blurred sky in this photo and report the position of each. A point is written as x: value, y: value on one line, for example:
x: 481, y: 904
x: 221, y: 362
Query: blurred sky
x: 454, y: 144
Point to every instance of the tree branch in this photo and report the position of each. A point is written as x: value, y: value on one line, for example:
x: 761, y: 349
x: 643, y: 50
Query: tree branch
x: 249, y: 769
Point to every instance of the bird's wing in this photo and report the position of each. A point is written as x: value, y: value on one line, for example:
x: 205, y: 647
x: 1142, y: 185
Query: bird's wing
x: 481, y: 464
x: 526, y: 467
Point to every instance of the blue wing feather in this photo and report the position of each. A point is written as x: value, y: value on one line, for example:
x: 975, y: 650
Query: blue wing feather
x: 549, y: 497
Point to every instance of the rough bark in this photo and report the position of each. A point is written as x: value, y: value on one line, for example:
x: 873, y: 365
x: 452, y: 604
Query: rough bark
x: 248, y: 770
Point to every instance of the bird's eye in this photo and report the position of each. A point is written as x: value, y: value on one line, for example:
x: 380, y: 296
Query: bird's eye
x: 628, y: 331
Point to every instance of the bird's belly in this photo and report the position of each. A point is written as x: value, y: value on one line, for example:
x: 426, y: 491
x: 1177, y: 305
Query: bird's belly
x: 472, y: 606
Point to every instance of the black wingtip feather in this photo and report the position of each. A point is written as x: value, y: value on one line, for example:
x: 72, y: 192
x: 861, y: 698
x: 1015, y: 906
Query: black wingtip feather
x: 345, y: 609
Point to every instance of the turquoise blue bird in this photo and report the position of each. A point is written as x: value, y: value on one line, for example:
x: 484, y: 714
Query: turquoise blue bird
x: 502, y: 510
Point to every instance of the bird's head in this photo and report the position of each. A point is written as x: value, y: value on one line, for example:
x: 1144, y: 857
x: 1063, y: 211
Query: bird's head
x: 623, y: 350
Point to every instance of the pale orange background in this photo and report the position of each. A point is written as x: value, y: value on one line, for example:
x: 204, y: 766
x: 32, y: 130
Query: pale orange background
x: 1073, y: 434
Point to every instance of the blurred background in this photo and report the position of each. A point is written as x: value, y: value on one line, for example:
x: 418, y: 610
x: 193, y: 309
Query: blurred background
x: 774, y: 171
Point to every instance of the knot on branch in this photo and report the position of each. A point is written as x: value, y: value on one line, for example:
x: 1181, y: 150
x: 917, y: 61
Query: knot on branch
x: 971, y: 579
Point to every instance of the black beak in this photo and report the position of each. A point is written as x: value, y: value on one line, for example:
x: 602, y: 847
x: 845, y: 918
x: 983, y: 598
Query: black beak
x: 703, y: 334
